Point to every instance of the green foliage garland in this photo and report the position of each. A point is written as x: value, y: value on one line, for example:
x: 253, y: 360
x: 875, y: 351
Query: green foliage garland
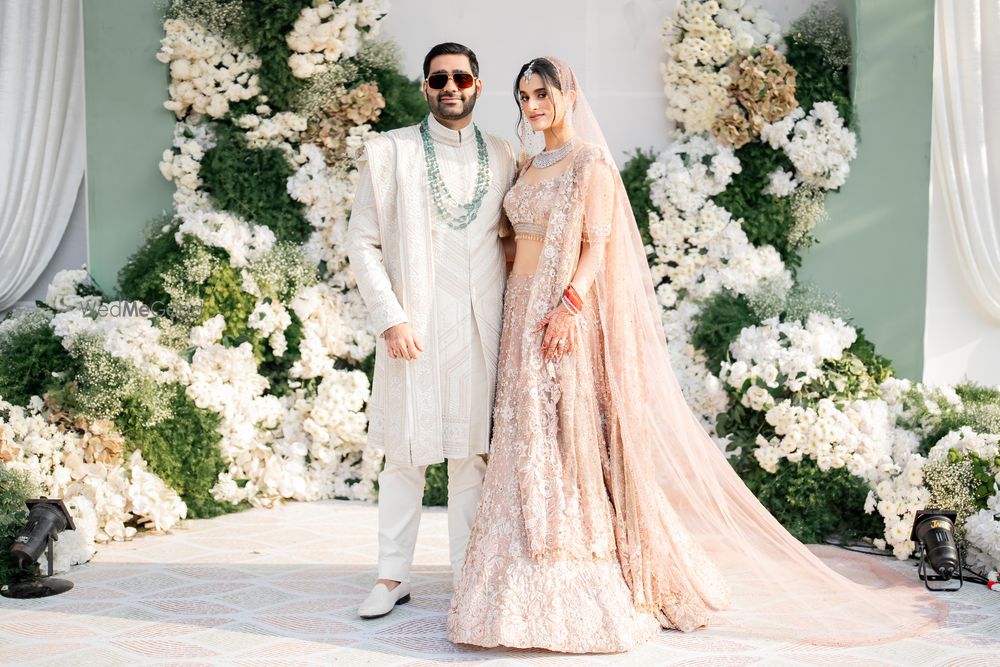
x: 265, y: 24
x: 252, y: 183
x: 767, y: 219
x: 183, y: 450
x: 817, y: 81
x: 223, y: 295
x: 141, y: 279
x: 637, y: 187
x: 404, y: 102
x: 31, y: 353
x: 722, y: 319
x: 810, y: 503
x: 15, y: 488
x: 436, y: 485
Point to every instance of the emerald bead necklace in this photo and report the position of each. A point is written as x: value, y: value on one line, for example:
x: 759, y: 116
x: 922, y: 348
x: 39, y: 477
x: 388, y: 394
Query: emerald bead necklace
x: 455, y: 215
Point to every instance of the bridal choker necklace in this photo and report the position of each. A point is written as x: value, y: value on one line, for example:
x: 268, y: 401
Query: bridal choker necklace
x: 549, y: 158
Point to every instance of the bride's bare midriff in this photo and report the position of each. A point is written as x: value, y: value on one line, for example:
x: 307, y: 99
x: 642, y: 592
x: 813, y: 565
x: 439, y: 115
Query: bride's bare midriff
x: 526, y: 258
x: 528, y: 251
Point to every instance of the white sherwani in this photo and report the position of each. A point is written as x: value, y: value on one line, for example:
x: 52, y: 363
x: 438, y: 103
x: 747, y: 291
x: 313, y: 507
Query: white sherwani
x: 411, y: 267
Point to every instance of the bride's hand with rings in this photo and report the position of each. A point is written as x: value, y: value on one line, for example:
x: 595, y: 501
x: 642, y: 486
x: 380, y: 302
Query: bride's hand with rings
x: 560, y: 333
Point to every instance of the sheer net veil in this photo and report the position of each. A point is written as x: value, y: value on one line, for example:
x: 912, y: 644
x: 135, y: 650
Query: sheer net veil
x: 683, y: 517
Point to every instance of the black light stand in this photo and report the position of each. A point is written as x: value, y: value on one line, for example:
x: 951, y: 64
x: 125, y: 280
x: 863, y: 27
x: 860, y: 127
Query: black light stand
x: 46, y: 519
x: 933, y: 531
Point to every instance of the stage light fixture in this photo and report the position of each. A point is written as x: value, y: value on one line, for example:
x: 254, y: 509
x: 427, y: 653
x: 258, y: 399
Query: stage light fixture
x: 934, y: 532
x: 47, y: 517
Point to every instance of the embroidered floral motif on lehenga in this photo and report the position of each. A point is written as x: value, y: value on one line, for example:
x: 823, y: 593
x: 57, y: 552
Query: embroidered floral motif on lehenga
x: 542, y: 568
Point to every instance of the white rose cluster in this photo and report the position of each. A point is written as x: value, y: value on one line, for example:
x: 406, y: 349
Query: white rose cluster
x: 181, y: 164
x: 702, y: 37
x: 243, y: 242
x: 966, y: 441
x: 62, y: 295
x: 690, y: 171
x: 328, y: 31
x: 781, y: 183
x: 327, y: 194
x: 750, y: 24
x: 982, y: 530
x: 819, y: 145
x: 126, y: 330
x: 334, y: 326
x: 697, y: 251
x: 207, y: 333
x: 307, y: 446
x: 703, y: 253
x: 271, y: 319
x: 897, y: 496
x: 332, y: 425
x: 856, y: 435
x: 778, y: 357
x: 697, y: 48
x: 207, y: 72
x: 104, y: 499
x: 356, y: 138
x: 787, y: 353
x: 279, y: 131
x: 225, y: 380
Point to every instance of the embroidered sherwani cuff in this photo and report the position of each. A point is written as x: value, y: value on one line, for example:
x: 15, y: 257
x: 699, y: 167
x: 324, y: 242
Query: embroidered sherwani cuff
x: 388, y: 320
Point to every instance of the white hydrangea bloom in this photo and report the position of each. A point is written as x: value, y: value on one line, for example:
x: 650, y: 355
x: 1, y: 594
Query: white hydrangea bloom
x: 781, y: 183
x: 126, y: 330
x: 207, y: 72
x: 244, y: 242
x: 102, y: 498
x: 328, y: 31
x: 61, y: 294
x: 819, y: 145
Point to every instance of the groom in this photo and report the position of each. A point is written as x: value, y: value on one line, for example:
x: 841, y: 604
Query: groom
x: 425, y: 245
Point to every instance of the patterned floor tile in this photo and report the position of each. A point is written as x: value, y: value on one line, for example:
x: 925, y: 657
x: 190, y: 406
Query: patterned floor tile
x: 268, y: 587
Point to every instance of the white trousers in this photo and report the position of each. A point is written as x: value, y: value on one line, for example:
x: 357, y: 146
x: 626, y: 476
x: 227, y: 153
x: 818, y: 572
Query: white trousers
x: 400, y: 496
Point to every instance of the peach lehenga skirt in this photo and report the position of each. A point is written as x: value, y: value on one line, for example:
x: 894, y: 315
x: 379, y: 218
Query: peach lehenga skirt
x: 574, y: 599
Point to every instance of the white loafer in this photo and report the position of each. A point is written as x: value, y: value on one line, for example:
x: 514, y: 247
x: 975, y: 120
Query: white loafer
x: 381, y: 600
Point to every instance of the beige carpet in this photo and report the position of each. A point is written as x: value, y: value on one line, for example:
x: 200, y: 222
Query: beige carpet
x: 280, y: 587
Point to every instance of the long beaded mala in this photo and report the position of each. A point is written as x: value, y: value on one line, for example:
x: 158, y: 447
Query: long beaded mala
x: 443, y: 200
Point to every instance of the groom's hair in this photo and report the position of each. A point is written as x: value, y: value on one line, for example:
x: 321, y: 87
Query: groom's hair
x: 451, y: 49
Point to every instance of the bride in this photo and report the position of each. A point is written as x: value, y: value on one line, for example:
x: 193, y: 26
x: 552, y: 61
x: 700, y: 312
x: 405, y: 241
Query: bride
x: 607, y: 512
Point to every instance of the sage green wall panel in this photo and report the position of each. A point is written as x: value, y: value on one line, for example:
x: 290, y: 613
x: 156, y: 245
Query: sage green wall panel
x: 127, y: 128
x: 873, y: 250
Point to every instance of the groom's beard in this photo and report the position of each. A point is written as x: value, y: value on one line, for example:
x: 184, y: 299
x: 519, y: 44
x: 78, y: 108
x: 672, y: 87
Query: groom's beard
x: 456, y: 112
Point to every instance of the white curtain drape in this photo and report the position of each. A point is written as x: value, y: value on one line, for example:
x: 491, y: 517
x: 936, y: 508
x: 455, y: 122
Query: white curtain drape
x: 965, y: 153
x: 42, y: 134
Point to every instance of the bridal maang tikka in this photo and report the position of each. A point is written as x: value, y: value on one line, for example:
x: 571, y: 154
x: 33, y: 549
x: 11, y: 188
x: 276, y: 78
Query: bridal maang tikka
x: 529, y: 71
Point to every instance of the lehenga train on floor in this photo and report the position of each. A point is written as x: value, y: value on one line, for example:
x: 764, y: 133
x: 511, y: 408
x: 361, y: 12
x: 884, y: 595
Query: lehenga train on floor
x: 607, y: 510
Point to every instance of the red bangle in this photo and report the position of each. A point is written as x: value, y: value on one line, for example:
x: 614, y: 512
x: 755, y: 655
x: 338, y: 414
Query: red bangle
x: 567, y: 304
x: 573, y: 296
